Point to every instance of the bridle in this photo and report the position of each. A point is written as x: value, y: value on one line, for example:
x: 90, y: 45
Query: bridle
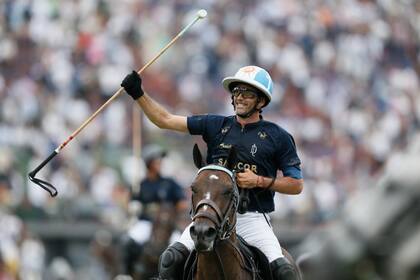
x: 224, y: 226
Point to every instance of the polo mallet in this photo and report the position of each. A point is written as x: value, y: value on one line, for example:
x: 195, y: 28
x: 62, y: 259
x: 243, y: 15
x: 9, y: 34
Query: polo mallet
x: 136, y: 143
x: 48, y: 186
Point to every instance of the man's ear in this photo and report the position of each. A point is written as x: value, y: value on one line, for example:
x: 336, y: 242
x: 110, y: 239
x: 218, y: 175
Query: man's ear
x: 261, y: 101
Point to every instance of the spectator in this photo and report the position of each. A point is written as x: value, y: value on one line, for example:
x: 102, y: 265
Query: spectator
x: 155, y: 192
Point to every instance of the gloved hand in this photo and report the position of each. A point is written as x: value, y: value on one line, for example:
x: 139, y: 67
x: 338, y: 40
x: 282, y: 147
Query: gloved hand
x: 132, y: 85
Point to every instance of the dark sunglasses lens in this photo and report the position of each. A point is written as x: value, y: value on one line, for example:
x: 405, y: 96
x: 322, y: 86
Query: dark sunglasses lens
x: 249, y: 95
x: 245, y: 92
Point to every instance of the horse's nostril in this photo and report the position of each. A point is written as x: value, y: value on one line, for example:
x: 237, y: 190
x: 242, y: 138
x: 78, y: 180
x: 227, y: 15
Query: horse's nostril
x: 201, y: 231
x: 193, y: 231
x: 211, y: 233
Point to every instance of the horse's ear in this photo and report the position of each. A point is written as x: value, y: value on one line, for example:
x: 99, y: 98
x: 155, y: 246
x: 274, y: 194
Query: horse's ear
x: 198, y: 158
x: 231, y: 159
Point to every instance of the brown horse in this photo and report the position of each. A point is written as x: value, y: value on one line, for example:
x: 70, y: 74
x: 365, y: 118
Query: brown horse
x: 215, y: 199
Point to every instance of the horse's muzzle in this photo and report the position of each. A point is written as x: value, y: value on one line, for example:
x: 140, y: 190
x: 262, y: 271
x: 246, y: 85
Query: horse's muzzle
x: 203, y: 236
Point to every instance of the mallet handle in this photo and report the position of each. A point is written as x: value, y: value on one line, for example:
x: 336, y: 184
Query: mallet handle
x: 50, y: 188
x: 120, y: 90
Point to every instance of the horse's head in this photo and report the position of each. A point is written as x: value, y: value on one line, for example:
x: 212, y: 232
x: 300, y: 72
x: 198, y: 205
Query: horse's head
x: 215, y: 199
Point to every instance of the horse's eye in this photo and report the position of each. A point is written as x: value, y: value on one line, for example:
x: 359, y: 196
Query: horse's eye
x: 193, y: 189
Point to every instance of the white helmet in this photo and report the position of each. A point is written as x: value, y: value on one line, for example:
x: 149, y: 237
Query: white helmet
x: 254, y: 76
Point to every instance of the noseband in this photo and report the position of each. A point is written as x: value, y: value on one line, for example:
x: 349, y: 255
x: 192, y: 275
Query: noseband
x: 222, y: 221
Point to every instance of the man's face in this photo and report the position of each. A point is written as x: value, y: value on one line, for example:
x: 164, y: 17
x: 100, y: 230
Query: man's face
x: 155, y: 165
x: 245, y: 98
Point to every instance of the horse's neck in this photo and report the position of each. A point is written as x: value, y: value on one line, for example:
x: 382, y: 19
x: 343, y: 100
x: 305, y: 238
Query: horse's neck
x: 225, y: 258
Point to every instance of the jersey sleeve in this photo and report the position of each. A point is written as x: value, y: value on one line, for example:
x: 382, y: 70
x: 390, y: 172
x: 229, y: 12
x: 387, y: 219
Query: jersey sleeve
x: 286, y: 154
x: 204, y: 125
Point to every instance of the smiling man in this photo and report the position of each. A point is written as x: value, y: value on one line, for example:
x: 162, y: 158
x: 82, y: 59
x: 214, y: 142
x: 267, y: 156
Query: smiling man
x: 262, y: 147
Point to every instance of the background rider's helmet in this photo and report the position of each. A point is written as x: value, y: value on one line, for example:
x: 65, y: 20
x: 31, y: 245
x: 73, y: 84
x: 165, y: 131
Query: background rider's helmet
x: 152, y: 152
x: 254, y: 76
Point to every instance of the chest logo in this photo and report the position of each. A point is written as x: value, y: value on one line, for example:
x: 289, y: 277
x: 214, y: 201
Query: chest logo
x: 262, y: 135
x: 253, y: 150
x: 224, y: 130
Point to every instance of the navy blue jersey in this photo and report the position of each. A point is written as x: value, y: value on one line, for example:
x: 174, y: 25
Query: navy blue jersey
x: 162, y: 190
x: 263, y: 147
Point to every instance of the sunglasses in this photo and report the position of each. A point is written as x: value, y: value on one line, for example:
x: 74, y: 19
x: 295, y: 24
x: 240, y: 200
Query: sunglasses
x: 246, y: 93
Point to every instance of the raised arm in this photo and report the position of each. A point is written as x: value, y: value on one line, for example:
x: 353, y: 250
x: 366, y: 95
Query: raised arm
x: 155, y: 112
x: 158, y: 115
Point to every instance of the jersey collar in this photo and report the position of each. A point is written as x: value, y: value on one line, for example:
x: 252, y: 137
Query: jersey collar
x: 249, y: 125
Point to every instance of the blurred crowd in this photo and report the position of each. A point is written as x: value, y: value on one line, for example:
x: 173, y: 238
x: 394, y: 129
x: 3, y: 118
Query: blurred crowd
x: 346, y: 87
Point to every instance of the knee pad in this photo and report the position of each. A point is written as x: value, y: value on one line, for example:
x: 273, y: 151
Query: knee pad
x: 282, y: 269
x: 172, y: 260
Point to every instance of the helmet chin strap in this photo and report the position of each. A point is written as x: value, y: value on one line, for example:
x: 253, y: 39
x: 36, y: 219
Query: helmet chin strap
x: 247, y: 115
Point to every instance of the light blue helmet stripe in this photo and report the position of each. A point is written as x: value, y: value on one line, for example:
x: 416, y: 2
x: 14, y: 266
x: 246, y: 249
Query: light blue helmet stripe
x: 263, y: 78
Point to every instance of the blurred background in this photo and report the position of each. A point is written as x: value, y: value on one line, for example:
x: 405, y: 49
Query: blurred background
x: 346, y: 87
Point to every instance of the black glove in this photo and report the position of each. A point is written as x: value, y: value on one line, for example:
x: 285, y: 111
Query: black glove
x: 132, y: 85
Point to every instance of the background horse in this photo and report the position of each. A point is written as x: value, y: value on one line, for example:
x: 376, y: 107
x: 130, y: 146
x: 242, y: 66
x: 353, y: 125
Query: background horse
x: 145, y: 263
x: 215, y: 198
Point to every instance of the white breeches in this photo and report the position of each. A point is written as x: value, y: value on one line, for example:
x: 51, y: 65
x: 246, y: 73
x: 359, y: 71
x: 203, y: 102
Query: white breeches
x: 254, y: 229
